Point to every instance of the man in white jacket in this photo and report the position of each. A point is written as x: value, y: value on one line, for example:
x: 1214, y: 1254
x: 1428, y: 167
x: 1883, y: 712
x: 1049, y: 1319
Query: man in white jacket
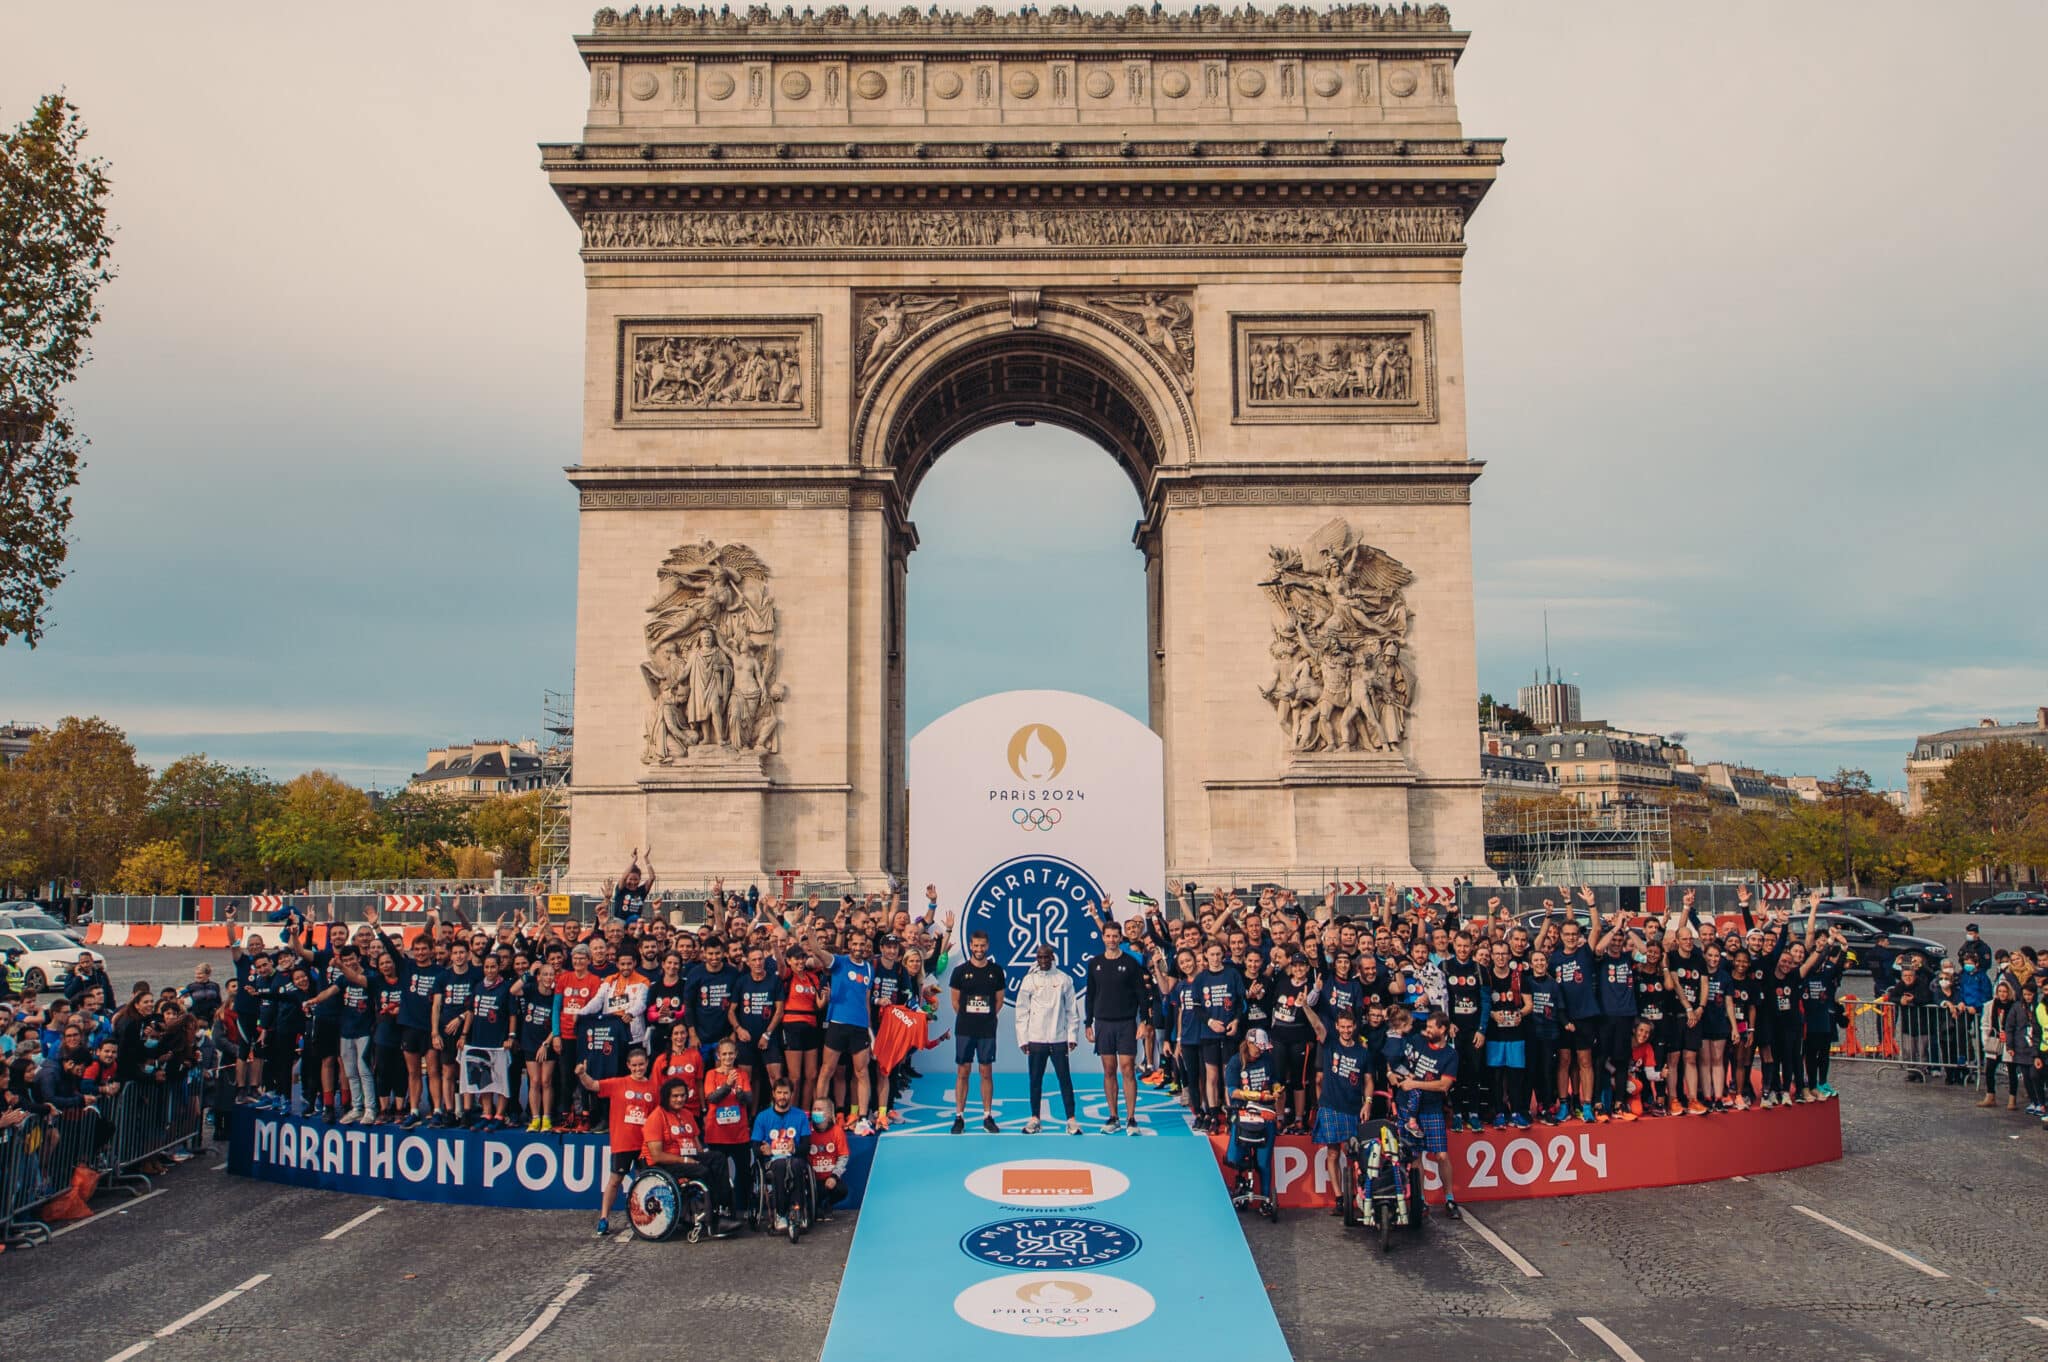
x: 1048, y: 1027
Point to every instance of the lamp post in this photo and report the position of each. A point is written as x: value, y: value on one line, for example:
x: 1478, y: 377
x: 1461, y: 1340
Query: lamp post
x: 205, y: 804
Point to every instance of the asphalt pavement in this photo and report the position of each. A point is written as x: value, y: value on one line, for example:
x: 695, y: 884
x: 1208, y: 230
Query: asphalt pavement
x: 1946, y: 1199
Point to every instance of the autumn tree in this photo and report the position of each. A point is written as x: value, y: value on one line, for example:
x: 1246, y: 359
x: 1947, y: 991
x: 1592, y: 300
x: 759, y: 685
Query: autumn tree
x: 212, y: 810
x: 74, y: 803
x: 55, y: 257
x: 1985, y: 801
x: 509, y: 827
x: 159, y: 867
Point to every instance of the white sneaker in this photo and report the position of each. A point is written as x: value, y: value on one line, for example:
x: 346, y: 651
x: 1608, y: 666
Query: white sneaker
x: 1073, y: 1126
x: 863, y: 1126
x: 781, y: 1223
x: 1112, y: 1126
x: 1031, y: 1126
x: 348, y: 1118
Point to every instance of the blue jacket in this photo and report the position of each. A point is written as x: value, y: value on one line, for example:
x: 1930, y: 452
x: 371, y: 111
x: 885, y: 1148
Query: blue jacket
x: 1975, y: 987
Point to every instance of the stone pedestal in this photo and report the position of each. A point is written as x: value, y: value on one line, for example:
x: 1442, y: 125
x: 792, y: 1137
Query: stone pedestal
x: 709, y: 814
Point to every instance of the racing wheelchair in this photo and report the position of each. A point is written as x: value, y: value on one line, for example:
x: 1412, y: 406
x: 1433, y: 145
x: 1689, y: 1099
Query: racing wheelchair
x: 1252, y: 1127
x: 659, y: 1203
x: 1379, y: 1180
x: 803, y: 1199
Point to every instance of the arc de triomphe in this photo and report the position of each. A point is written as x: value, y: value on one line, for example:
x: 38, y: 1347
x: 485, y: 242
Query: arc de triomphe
x: 822, y: 248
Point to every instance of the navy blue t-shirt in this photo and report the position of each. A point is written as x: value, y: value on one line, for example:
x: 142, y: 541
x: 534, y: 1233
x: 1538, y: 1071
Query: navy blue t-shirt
x: 1344, y: 1069
x: 490, y: 1014
x: 1429, y: 1062
x: 1575, y: 974
x: 1617, y: 980
x: 708, y: 992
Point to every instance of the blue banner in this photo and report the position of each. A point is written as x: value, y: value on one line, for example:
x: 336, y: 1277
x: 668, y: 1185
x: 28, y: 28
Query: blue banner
x: 510, y: 1168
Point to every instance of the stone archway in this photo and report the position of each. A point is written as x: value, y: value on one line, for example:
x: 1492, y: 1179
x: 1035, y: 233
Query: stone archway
x: 822, y: 249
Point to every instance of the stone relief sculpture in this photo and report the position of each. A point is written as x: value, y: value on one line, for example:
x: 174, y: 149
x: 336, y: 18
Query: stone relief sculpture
x: 1167, y: 323
x: 1330, y: 367
x: 952, y: 230
x: 713, y: 660
x: 893, y: 318
x: 729, y: 372
x: 761, y: 20
x: 1340, y: 624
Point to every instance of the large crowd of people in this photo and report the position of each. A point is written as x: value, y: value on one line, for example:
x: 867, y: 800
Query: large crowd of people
x: 779, y: 1028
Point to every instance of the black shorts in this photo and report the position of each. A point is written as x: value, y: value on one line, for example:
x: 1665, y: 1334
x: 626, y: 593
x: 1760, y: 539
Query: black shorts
x: 1714, y: 1024
x: 847, y: 1040
x: 800, y: 1035
x: 623, y: 1160
x: 1584, y: 1035
x: 1215, y: 1050
x: 412, y: 1039
x: 323, y: 1039
x: 1690, y: 1037
x: 1116, y: 1038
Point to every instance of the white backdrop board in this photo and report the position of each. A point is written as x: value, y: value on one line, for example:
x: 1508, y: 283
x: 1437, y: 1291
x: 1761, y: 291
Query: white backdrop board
x: 1027, y: 806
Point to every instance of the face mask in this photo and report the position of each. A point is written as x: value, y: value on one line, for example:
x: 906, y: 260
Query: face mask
x: 821, y: 1117
x: 1969, y: 967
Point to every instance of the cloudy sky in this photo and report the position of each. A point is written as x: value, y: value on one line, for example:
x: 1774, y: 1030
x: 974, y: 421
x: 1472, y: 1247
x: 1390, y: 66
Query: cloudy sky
x: 1755, y: 328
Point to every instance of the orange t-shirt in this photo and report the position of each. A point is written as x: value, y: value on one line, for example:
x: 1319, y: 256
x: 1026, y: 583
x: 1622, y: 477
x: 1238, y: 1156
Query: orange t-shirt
x: 828, y: 1148
x: 675, y: 1132
x: 689, y: 1067
x: 575, y: 990
x: 729, y: 1122
x: 632, y: 1099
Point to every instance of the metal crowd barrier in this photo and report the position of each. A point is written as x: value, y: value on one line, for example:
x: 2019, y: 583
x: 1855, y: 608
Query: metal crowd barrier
x: 39, y: 1157
x: 1931, y: 1038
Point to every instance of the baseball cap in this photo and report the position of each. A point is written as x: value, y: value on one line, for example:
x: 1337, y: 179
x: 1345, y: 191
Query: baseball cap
x: 1257, y: 1036
x: 1971, y: 927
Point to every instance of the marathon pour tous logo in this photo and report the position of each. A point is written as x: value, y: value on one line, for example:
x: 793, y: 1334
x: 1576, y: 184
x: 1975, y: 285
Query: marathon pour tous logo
x: 1050, y: 1243
x: 1030, y: 901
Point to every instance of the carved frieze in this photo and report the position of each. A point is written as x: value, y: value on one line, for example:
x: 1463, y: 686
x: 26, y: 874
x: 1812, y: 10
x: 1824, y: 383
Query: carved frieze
x: 1177, y: 231
x: 1334, y: 367
x: 761, y: 21
x: 717, y: 371
x: 714, y: 658
x: 1339, y: 682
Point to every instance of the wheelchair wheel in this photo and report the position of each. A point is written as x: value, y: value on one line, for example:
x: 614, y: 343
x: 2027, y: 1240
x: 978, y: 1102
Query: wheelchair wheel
x: 758, y: 1213
x: 654, y: 1204
x: 700, y: 1213
x: 1383, y: 1217
x: 1347, y: 1189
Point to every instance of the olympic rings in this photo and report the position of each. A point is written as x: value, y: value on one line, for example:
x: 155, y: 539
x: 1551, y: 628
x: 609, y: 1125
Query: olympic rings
x: 1035, y: 820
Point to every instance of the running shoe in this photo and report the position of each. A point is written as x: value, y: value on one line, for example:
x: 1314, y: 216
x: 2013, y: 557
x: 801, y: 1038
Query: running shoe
x: 349, y: 1117
x: 1625, y: 1116
x: 547, y: 1123
x: 604, y: 1227
x: 1519, y: 1121
x: 1031, y: 1126
x: 1586, y: 1113
x: 1695, y: 1109
x: 988, y: 1123
x: 1131, y: 1128
x: 959, y: 1125
x: 1073, y: 1126
x: 533, y: 1125
x: 411, y: 1121
x: 1500, y: 1120
x: 863, y: 1126
x: 1601, y: 1118
x: 1113, y: 1125
x: 1451, y: 1211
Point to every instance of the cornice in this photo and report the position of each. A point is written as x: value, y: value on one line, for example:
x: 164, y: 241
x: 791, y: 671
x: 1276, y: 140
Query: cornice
x: 1290, y: 23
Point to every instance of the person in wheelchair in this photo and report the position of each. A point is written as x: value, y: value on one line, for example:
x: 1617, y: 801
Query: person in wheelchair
x: 675, y: 1145
x: 781, y: 1136
x: 1253, y: 1085
x: 829, y: 1155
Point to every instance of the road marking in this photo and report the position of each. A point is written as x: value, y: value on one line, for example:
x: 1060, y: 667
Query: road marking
x: 1860, y: 1237
x: 216, y: 1303
x: 129, y: 1351
x: 337, y: 1233
x: 1506, y: 1250
x: 545, y: 1318
x: 1607, y: 1336
x: 2036, y: 1321
x: 111, y: 1210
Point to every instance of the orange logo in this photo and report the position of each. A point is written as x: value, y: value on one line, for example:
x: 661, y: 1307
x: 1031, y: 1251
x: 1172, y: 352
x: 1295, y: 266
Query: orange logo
x: 1048, y: 1182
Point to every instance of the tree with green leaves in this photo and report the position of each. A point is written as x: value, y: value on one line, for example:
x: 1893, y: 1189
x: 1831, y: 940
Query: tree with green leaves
x: 509, y: 827
x: 1987, y: 798
x: 55, y: 257
x: 159, y: 867
x: 212, y: 811
x: 318, y: 831
x: 75, y: 800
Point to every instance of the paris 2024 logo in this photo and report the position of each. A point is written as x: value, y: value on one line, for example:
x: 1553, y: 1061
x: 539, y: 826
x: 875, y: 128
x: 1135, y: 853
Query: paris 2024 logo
x: 1032, y: 901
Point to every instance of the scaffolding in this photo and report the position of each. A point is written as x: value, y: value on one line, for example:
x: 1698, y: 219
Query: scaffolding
x: 551, y: 845
x: 1624, y: 843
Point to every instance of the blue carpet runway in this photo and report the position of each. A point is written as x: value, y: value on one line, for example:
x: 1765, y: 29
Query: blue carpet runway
x: 1107, y: 1246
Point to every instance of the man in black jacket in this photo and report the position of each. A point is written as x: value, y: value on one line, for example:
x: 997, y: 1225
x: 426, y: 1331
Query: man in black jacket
x: 1114, y: 1000
x: 87, y: 973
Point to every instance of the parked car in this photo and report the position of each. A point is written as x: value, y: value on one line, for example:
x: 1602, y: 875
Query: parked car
x: 2013, y: 901
x: 28, y: 917
x: 1921, y: 898
x: 1535, y: 918
x: 1871, y: 911
x: 47, y: 956
x: 1869, y: 945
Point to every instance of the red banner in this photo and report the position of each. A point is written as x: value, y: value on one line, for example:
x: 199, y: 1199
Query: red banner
x: 1574, y: 1158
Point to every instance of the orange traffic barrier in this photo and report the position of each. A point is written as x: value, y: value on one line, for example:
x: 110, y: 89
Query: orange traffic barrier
x: 1850, y: 1047
x: 1887, y: 1036
x: 145, y: 933
x: 93, y: 932
x: 213, y: 938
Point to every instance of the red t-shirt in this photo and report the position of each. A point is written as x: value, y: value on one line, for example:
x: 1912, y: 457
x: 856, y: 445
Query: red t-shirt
x: 632, y: 1099
x: 689, y: 1067
x: 802, y: 1005
x: 675, y: 1132
x: 574, y: 990
x: 828, y: 1149
x: 729, y: 1122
